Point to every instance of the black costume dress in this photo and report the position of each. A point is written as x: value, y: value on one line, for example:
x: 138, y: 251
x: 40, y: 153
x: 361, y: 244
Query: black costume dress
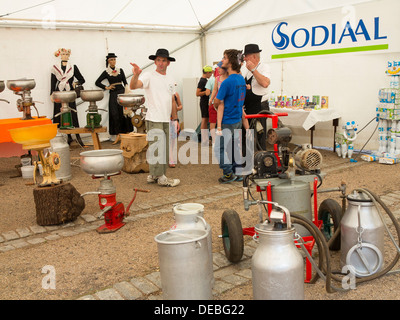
x: 118, y: 123
x: 55, y: 86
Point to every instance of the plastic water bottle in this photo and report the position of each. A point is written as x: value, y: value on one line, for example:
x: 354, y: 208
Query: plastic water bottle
x: 382, y: 143
x: 350, y: 150
x: 397, y: 151
x: 369, y: 158
x: 338, y: 149
x: 272, y: 99
x: 344, y: 150
x: 392, y: 145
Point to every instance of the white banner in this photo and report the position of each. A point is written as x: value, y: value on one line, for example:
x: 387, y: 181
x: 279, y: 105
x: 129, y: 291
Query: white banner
x: 367, y: 27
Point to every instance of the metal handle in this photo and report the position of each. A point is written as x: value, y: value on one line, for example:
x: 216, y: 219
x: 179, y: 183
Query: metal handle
x: 127, y: 213
x: 204, y: 221
x: 35, y: 165
x: 105, y: 209
x: 275, y: 204
x: 90, y: 192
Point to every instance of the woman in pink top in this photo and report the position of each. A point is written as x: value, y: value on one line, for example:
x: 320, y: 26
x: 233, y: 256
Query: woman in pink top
x: 212, y: 111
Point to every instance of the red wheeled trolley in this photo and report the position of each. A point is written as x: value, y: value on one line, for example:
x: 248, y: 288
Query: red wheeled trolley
x: 287, y: 189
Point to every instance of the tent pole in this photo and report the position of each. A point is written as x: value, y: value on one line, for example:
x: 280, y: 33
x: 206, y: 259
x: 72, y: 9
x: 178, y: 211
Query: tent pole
x: 203, y: 50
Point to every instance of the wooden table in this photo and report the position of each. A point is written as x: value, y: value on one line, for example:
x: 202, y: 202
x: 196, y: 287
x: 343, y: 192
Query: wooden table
x: 94, y: 133
x: 308, y: 119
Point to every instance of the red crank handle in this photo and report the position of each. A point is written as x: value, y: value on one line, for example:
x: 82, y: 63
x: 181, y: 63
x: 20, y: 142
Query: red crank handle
x: 127, y: 213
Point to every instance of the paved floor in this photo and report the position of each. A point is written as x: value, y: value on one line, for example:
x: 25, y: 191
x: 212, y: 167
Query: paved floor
x: 148, y: 287
x: 226, y: 275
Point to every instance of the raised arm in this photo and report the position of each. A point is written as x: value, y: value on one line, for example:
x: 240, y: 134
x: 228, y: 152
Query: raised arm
x: 135, y: 82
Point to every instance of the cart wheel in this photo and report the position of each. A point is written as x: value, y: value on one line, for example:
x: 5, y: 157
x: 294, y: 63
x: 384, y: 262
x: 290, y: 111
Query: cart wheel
x: 330, y: 213
x: 232, y: 235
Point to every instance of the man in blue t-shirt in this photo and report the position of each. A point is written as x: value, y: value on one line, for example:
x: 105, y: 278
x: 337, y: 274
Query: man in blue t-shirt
x: 229, y: 101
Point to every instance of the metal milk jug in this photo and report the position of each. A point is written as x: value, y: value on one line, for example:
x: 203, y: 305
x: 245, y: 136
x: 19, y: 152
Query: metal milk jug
x: 184, y: 264
x: 277, y: 266
x: 59, y: 144
x: 190, y: 216
x: 362, y: 236
x: 295, y: 196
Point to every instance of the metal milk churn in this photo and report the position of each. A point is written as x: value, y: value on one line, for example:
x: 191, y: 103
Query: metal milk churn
x: 296, y: 197
x: 59, y: 144
x: 362, y: 236
x: 277, y: 266
x: 190, y: 216
x: 184, y: 264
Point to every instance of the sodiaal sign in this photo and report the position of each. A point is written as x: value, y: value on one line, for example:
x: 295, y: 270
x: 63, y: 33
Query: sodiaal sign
x: 364, y: 36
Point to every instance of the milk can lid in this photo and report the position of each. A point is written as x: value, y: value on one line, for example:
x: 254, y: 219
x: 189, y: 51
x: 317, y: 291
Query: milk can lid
x: 359, y: 197
x: 189, y: 208
x: 272, y: 227
x: 180, y: 236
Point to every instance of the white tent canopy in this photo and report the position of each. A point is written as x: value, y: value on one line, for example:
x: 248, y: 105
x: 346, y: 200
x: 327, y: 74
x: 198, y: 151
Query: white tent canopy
x: 189, y: 14
x: 157, y: 14
x: 196, y: 32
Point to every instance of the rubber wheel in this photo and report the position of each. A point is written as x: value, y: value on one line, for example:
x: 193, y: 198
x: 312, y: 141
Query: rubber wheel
x: 232, y: 235
x: 330, y: 212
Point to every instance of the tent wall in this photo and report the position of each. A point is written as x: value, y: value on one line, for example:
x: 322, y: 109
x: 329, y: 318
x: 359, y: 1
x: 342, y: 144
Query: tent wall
x: 350, y: 80
x: 29, y: 53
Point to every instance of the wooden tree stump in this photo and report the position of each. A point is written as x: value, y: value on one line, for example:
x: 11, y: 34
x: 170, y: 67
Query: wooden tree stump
x: 134, y: 147
x: 57, y: 204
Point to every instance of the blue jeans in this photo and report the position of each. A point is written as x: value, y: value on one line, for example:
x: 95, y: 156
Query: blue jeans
x: 227, y: 146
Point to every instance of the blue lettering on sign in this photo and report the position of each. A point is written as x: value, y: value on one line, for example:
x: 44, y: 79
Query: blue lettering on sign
x: 314, y: 32
x: 303, y: 37
x: 281, y: 45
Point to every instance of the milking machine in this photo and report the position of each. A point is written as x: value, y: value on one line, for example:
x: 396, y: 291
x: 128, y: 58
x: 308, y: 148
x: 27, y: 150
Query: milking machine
x: 64, y: 97
x: 93, y: 117
x: 103, y: 164
x: 23, y: 88
x: 133, y: 107
x: 285, y: 177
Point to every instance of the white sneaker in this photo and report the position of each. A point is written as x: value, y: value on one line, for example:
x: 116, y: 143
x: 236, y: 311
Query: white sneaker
x: 164, y: 181
x: 151, y: 179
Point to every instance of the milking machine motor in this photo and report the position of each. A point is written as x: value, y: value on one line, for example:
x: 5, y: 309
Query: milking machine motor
x: 358, y: 231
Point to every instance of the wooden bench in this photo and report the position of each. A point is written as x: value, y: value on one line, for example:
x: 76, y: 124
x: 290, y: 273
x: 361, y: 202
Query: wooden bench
x: 94, y: 133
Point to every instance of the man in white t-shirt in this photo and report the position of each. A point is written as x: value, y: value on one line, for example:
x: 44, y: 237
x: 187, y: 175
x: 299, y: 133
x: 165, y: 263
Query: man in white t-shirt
x: 159, y: 91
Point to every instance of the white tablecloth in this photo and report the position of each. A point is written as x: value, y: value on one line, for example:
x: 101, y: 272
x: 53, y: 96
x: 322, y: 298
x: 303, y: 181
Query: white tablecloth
x: 307, y: 118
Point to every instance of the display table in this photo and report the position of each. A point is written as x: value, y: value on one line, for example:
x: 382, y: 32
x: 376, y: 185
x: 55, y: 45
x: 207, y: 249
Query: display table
x: 94, y: 133
x: 7, y: 146
x: 308, y: 119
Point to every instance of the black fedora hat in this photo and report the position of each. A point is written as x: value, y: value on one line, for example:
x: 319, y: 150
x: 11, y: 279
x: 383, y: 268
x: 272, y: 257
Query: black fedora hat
x: 251, y: 48
x: 161, y: 53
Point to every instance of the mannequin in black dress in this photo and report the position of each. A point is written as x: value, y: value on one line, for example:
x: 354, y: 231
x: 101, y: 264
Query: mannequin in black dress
x: 118, y: 123
x: 62, y: 79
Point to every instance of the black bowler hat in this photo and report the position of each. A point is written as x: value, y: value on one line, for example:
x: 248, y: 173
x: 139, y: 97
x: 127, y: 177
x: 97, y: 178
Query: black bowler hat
x: 251, y: 48
x: 111, y: 55
x: 162, y: 53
